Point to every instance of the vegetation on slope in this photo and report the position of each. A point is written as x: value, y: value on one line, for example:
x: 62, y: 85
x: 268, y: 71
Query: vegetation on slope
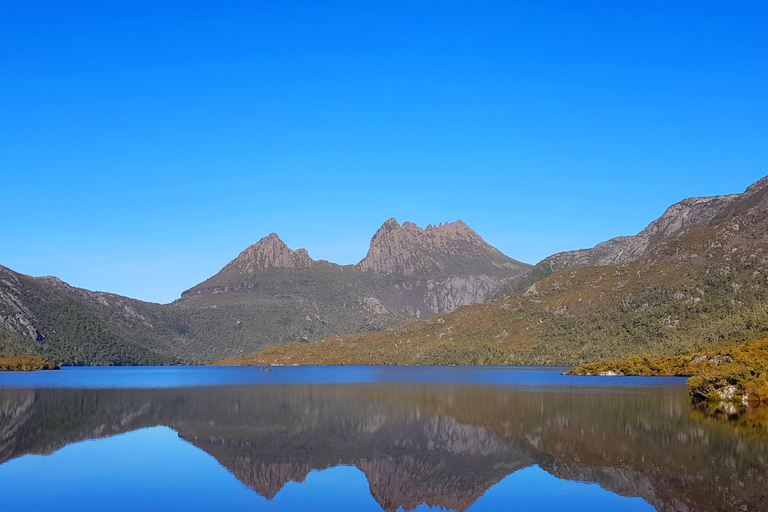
x: 25, y: 363
x: 72, y: 326
x: 738, y: 372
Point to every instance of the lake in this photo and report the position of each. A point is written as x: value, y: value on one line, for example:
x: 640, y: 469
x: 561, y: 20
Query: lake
x: 368, y: 438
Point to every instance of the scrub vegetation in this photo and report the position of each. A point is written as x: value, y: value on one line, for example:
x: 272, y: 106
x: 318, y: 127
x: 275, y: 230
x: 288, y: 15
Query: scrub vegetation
x: 738, y: 372
x: 25, y: 363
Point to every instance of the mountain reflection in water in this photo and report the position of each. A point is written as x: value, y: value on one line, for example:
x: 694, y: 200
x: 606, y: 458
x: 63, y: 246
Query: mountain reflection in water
x: 435, y: 444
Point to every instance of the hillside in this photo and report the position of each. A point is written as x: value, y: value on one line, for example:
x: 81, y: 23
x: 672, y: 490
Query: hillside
x: 699, y: 286
x: 676, y: 221
x: 268, y: 294
x: 46, y: 317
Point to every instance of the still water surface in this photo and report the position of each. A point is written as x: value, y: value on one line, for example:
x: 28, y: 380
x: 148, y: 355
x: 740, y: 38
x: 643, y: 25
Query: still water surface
x: 366, y: 438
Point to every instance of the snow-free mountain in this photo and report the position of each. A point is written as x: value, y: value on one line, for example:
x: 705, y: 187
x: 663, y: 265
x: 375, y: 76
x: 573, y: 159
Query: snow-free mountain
x: 268, y: 294
x: 696, y: 278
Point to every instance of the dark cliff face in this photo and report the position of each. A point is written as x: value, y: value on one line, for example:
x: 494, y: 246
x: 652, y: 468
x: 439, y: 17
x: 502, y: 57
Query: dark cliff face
x: 440, y: 444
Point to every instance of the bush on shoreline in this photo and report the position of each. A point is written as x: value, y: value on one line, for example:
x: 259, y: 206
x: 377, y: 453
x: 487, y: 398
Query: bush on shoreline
x: 734, y: 373
x: 26, y: 363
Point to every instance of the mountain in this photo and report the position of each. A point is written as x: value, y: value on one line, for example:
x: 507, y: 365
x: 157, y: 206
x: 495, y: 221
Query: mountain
x: 268, y: 294
x: 396, y: 252
x: 451, y: 248
x: 695, y: 278
x: 677, y: 220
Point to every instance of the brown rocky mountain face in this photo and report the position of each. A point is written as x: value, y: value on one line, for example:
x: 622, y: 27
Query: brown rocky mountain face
x: 268, y: 294
x: 447, y: 248
x: 278, y: 295
x: 269, y: 252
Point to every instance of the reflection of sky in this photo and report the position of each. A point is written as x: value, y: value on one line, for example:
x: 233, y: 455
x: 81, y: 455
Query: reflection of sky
x: 153, y: 469
x: 169, y: 377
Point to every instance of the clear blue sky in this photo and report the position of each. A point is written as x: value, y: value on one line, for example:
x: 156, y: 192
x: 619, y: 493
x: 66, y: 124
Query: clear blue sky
x: 143, y: 145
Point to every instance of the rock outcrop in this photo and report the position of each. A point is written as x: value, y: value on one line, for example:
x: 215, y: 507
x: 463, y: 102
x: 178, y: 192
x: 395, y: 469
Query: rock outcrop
x: 14, y: 314
x: 270, y: 252
x: 678, y: 219
x: 452, y: 247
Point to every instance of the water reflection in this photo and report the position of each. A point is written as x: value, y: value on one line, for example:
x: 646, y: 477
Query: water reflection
x: 418, y: 444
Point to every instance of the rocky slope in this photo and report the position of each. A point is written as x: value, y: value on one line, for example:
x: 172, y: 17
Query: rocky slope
x: 676, y: 221
x: 45, y: 316
x: 268, y: 294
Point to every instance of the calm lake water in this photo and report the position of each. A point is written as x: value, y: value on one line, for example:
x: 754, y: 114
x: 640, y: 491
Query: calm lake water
x: 367, y: 438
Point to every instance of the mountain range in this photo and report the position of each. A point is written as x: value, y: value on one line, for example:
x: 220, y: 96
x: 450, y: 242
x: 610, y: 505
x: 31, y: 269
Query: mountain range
x: 693, y: 279
x: 268, y: 294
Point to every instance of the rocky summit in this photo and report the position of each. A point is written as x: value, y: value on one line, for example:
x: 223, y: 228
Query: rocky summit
x: 452, y: 247
x: 269, y: 252
x: 268, y: 294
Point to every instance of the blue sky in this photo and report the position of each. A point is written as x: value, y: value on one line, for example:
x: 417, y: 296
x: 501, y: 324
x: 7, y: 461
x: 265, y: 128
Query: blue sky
x: 143, y: 145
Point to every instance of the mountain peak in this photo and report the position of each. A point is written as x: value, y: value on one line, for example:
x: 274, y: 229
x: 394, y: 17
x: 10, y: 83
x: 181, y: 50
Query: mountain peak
x: 408, y: 249
x: 390, y: 224
x: 269, y: 252
x: 757, y: 186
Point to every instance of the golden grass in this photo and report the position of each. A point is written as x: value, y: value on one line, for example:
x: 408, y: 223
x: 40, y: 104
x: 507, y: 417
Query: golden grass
x: 737, y: 372
x: 25, y: 363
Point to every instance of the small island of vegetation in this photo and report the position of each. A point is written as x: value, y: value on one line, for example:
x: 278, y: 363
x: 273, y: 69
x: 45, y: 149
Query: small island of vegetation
x: 25, y: 363
x: 736, y: 373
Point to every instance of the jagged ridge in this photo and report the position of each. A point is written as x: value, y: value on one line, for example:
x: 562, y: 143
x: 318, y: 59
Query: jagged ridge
x: 451, y: 247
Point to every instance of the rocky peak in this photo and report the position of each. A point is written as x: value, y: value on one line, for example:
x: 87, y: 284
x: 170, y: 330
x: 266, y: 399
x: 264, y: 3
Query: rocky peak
x: 408, y: 249
x: 269, y: 252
